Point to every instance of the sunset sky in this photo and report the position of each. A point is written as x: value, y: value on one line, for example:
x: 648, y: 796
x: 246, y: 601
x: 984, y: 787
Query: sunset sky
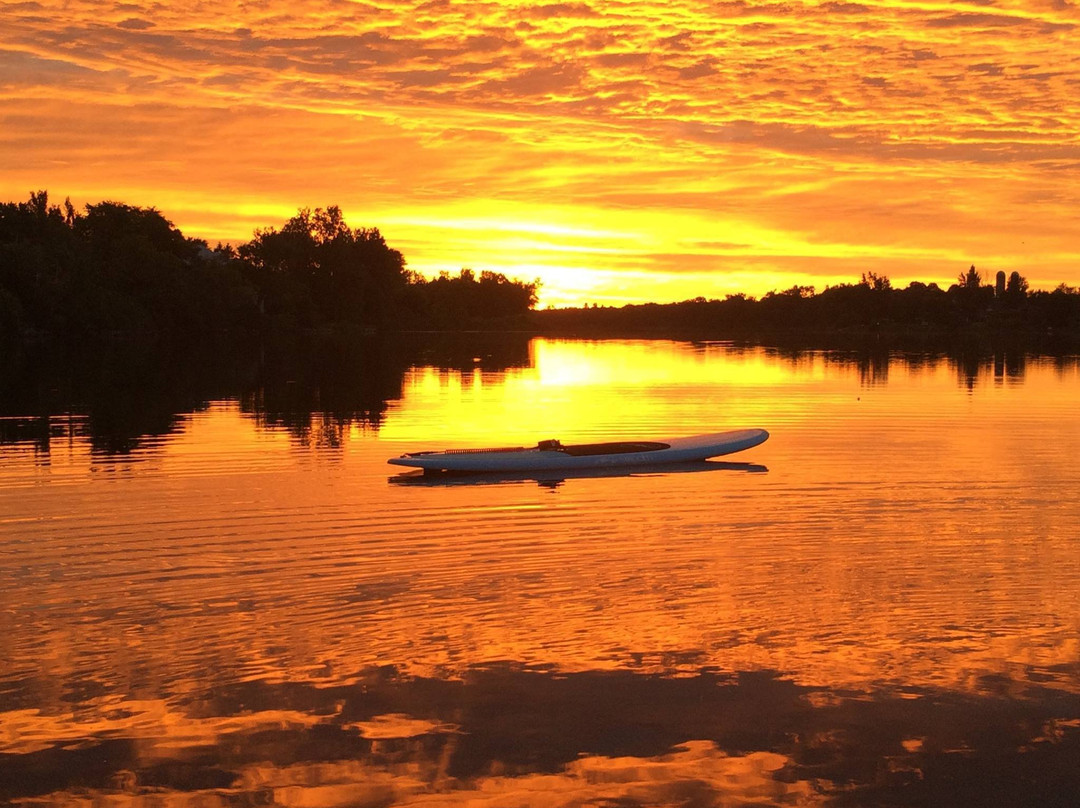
x: 617, y: 151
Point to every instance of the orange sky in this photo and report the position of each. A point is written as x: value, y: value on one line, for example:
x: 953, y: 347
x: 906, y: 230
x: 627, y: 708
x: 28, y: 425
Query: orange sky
x: 617, y: 151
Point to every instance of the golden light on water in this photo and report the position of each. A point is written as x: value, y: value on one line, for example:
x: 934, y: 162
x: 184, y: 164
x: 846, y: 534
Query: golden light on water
x: 309, y: 561
x: 567, y: 389
x: 244, y: 606
x: 617, y: 151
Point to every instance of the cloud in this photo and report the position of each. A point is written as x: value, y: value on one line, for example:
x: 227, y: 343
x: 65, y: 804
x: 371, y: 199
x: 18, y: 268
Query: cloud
x: 625, y: 59
x: 688, y: 106
x: 563, y: 11
x: 542, y: 80
x: 845, y: 8
x: 698, y: 70
x: 135, y: 24
x: 969, y: 19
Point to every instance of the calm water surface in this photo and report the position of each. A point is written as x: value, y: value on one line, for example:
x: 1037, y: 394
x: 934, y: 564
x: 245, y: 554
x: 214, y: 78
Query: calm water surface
x: 878, y: 606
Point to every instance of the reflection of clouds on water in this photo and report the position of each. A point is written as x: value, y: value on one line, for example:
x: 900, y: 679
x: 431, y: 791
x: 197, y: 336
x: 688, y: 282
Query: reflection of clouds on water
x: 158, y: 728
x: 505, y: 733
x: 693, y: 772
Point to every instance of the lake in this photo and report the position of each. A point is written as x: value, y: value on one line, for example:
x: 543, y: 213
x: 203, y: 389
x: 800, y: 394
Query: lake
x: 215, y: 591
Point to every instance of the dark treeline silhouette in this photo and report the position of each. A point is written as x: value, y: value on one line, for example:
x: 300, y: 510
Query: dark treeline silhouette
x: 113, y: 268
x: 116, y: 268
x: 871, y: 307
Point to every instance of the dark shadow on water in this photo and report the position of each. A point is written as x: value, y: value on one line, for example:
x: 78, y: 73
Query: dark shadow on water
x: 490, y: 730
x: 124, y: 395
x: 555, y: 479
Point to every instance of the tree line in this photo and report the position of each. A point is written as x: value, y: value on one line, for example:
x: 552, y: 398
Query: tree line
x: 871, y: 306
x: 117, y: 268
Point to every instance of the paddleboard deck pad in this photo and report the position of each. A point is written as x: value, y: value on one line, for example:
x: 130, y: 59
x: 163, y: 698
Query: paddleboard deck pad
x: 552, y: 455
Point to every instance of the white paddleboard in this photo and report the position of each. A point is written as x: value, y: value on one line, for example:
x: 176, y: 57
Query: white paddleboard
x: 551, y: 455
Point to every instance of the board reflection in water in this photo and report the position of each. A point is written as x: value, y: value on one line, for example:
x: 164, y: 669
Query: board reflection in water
x: 879, y: 606
x: 556, y: 477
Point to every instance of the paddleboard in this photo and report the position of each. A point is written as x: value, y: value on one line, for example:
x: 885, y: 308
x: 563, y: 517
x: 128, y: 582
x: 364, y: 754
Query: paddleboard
x: 552, y: 455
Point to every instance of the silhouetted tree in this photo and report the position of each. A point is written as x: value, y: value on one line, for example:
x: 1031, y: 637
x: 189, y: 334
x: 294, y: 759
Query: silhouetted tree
x: 317, y: 269
x: 879, y: 283
x: 38, y: 257
x: 971, y: 300
x: 468, y: 301
x: 114, y: 267
x: 971, y: 279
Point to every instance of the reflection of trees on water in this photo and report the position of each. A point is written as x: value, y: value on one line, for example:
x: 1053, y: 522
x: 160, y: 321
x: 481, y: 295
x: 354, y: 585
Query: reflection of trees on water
x: 318, y: 390
x: 873, y: 369
x: 120, y: 396
x: 972, y: 365
x: 1005, y: 367
x: 114, y: 394
x: 872, y: 363
x: 34, y: 431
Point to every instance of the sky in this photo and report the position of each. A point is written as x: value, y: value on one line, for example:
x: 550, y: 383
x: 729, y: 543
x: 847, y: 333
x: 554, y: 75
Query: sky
x: 615, y: 151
